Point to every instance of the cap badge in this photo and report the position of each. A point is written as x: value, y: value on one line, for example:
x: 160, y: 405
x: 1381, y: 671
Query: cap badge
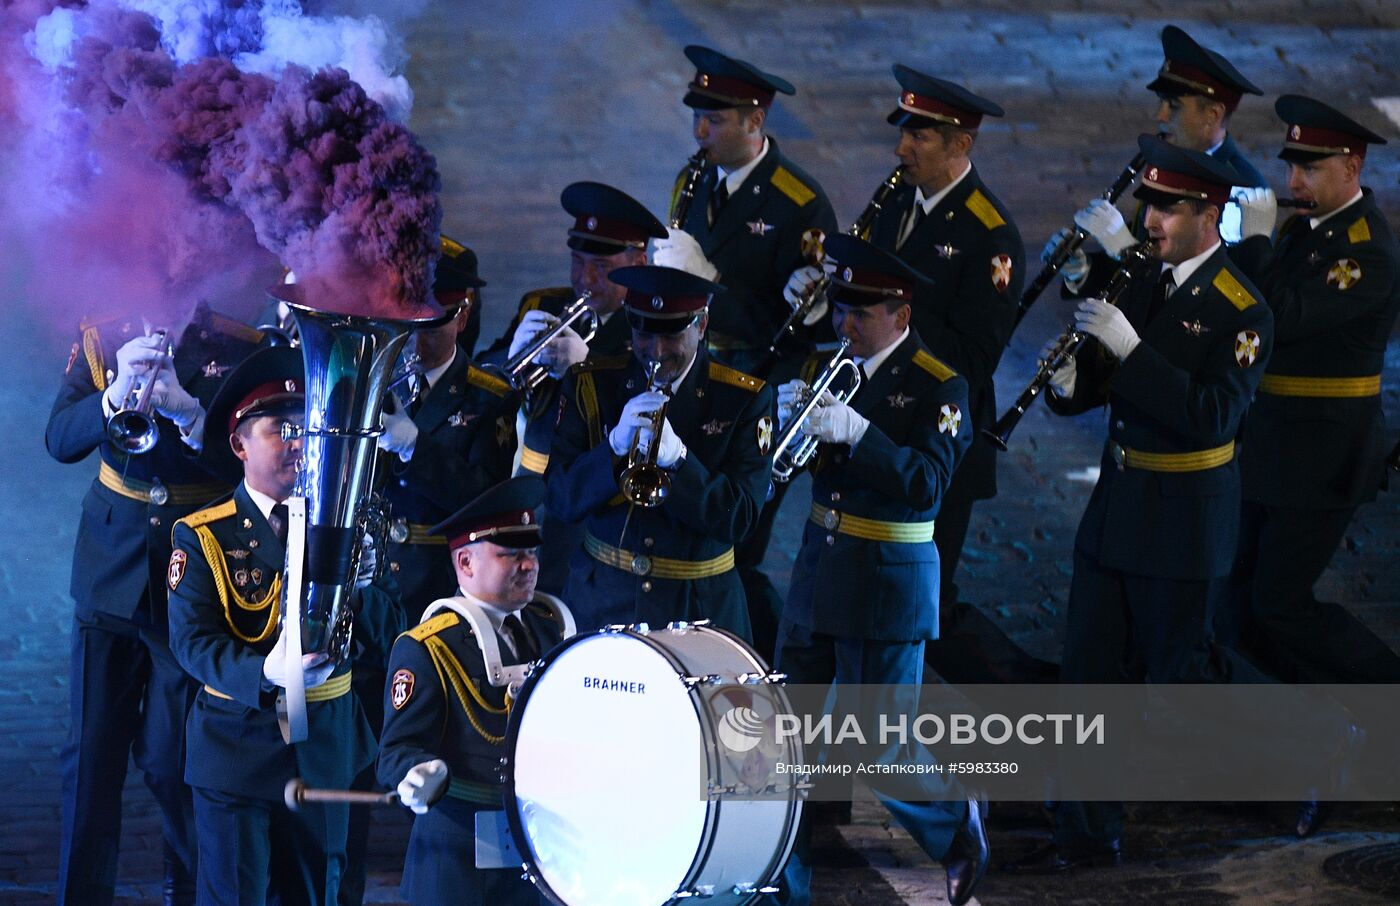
x: 846, y: 275
x: 657, y: 302
x: 291, y: 386
x: 525, y: 519
x: 1295, y: 132
x: 1152, y: 174
x: 909, y: 97
x: 591, y: 224
x: 704, y: 80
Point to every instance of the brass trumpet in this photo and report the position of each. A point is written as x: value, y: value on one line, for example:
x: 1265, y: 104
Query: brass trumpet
x: 643, y: 482
x: 518, y: 372
x: 788, y: 460
x: 1136, y: 262
x: 132, y: 428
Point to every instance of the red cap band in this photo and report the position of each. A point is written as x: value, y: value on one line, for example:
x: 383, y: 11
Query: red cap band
x: 272, y: 391
x: 1163, y: 180
x: 934, y: 109
x: 1323, y: 141
x: 493, y: 525
x: 730, y: 90
x: 674, y: 305
x: 603, y: 229
x: 1200, y: 82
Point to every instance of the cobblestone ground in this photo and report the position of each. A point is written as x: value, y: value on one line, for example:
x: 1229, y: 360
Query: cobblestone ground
x: 519, y: 99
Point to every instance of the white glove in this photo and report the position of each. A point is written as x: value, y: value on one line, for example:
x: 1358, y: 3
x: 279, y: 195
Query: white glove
x: 400, y: 434
x: 1104, y: 222
x: 369, y: 563
x: 790, y: 397
x: 672, y: 448
x: 680, y: 250
x: 1076, y: 266
x: 174, y: 401
x: 1258, y: 211
x: 1108, y: 325
x: 836, y: 423
x: 1063, y: 380
x: 423, y: 785
x: 137, y: 357
x: 534, y: 323
x: 316, y: 668
x: 635, y: 422
x: 563, y: 352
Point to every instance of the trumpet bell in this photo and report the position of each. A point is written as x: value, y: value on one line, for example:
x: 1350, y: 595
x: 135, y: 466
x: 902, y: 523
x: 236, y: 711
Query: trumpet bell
x: 132, y: 431
x: 645, y: 485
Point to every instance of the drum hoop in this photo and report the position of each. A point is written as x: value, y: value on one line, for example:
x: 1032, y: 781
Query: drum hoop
x: 517, y: 824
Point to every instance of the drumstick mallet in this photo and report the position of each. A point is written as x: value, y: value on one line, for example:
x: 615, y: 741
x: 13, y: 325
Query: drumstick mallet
x: 297, y: 793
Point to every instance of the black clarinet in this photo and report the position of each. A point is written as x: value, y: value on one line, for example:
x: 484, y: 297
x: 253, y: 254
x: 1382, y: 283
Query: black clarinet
x: 694, y: 168
x: 812, y: 250
x: 1137, y: 260
x: 1075, y: 239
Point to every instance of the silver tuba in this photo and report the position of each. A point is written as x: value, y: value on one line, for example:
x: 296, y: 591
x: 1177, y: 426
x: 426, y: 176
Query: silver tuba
x: 349, y: 360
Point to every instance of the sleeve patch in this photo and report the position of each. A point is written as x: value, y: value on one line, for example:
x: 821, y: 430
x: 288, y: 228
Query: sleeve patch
x: 792, y: 187
x: 1246, y: 348
x: 1345, y: 274
x: 1359, y: 231
x: 176, y: 572
x: 1001, y: 272
x: 949, y: 419
x: 925, y: 360
x: 1233, y: 290
x: 765, y: 435
x: 401, y: 689
x: 983, y: 209
x: 735, y: 378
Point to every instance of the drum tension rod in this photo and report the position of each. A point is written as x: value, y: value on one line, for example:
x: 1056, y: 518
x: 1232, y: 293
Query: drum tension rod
x: 710, y: 679
x: 754, y: 679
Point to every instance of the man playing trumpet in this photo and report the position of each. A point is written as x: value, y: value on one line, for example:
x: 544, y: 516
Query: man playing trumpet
x: 864, y: 596
x: 700, y: 435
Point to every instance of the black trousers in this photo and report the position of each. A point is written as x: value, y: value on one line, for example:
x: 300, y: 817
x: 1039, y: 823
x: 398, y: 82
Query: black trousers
x: 970, y: 648
x: 128, y: 698
x: 1273, y: 613
x: 253, y: 851
x: 1125, y: 628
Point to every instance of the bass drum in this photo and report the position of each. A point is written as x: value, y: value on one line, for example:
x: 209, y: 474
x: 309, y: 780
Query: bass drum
x: 641, y: 769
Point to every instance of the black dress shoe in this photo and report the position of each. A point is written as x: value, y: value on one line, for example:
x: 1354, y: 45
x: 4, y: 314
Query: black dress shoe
x: 1308, y: 818
x: 1052, y: 859
x: 177, y: 887
x: 968, y: 855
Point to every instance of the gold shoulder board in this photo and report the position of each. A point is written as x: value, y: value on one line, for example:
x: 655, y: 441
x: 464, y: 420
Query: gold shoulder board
x: 1231, y: 289
x: 432, y: 627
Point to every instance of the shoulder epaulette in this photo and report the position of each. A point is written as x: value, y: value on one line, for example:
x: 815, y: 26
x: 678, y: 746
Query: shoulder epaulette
x: 231, y: 327
x: 1359, y: 231
x: 432, y: 627
x: 541, y: 609
x: 734, y: 377
x: 211, y: 514
x: 784, y: 181
x: 92, y: 353
x: 451, y: 247
x: 532, y: 300
x: 486, y: 381
x: 1231, y: 289
x: 983, y: 209
x: 602, y: 363
x: 934, y: 366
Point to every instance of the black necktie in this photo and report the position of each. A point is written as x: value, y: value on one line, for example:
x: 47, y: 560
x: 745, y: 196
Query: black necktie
x: 718, y: 196
x: 278, y: 520
x: 519, y: 638
x: 911, y: 222
x: 1166, y: 285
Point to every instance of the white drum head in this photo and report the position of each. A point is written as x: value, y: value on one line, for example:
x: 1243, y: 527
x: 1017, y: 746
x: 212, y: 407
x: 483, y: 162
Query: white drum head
x: 608, y: 774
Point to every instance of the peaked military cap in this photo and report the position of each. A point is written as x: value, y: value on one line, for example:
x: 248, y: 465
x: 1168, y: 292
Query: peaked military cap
x: 607, y: 220
x: 503, y: 514
x: 1316, y: 131
x: 662, y: 299
x: 1189, y: 68
x: 926, y: 101
x: 456, y: 274
x: 721, y: 82
x: 866, y: 274
x: 268, y: 382
x: 1172, y: 173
